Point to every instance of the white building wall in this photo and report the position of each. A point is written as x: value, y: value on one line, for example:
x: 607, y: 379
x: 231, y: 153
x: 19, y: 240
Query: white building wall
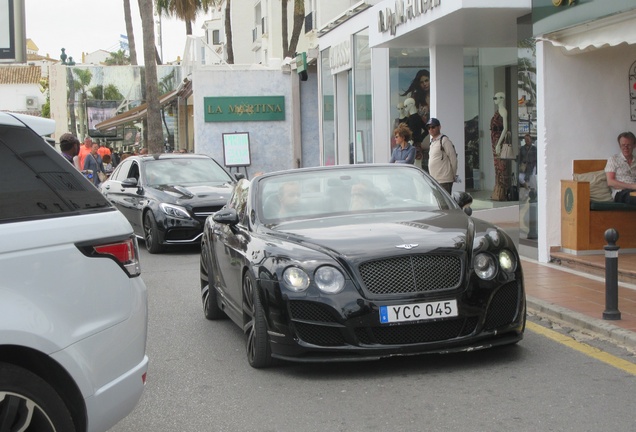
x: 271, y: 142
x: 13, y: 97
x: 583, y: 106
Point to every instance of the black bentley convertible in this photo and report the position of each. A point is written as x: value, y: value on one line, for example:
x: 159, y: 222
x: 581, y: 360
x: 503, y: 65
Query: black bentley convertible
x: 358, y: 262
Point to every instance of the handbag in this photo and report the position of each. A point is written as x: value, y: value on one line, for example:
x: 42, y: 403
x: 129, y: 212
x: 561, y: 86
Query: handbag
x: 100, y: 174
x: 522, y: 167
x: 506, y: 149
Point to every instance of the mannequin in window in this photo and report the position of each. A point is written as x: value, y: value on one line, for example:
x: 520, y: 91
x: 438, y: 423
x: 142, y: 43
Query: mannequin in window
x: 401, y: 118
x: 415, y: 123
x: 498, y: 130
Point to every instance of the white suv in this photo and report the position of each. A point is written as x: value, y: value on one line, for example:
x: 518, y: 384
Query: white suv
x: 73, y: 309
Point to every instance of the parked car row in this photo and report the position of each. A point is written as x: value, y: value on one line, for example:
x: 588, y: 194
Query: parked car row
x: 319, y: 264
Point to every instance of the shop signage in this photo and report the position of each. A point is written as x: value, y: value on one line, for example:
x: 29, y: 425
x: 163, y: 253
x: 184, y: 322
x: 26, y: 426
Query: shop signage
x: 404, y: 10
x: 244, y: 108
x: 340, y: 57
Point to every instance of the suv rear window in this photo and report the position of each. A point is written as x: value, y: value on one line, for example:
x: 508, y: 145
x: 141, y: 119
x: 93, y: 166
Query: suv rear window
x: 36, y: 182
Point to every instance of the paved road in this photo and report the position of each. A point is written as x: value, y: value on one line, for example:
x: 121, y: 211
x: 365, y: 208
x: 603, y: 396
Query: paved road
x: 199, y: 380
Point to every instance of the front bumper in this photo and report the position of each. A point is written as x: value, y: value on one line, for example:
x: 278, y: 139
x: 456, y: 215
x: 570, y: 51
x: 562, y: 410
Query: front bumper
x: 315, y: 331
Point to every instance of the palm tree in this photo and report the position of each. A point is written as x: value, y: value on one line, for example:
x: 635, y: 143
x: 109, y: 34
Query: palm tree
x: 83, y: 79
x: 132, y: 52
x: 154, y: 129
x: 228, y: 32
x: 110, y: 92
x: 185, y: 10
x: 117, y: 58
x: 289, y: 50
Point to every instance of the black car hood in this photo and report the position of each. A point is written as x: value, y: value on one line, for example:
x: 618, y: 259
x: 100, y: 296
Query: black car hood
x: 382, y: 234
x: 203, y: 192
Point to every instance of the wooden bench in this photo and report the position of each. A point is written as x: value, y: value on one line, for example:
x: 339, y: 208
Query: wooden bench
x: 584, y: 222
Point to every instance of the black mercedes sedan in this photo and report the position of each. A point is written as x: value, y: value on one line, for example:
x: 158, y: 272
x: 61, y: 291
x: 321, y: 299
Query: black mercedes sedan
x: 358, y: 262
x: 167, y: 197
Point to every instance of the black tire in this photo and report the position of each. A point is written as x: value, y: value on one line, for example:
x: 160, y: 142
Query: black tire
x: 19, y: 388
x: 151, y: 233
x: 259, y: 354
x: 209, y: 296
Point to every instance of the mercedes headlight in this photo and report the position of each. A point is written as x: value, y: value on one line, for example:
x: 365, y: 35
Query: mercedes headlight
x: 485, y: 266
x: 295, y: 279
x: 174, y: 211
x: 329, y: 279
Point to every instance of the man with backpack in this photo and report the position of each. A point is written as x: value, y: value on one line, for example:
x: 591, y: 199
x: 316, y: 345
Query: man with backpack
x: 442, y: 161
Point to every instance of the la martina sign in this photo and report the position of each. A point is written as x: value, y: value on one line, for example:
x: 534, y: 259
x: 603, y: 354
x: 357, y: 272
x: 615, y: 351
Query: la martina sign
x: 404, y: 10
x: 244, y: 108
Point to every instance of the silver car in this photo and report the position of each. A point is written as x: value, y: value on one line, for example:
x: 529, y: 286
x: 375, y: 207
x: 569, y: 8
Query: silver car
x: 73, y: 307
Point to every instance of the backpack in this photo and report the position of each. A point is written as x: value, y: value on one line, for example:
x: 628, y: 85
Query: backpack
x: 442, y: 147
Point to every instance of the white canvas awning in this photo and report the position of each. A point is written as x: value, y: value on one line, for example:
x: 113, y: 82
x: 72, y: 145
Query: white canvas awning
x: 610, y: 31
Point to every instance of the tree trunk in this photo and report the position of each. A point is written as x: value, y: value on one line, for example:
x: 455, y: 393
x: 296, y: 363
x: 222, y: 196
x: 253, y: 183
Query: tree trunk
x: 155, y: 132
x: 132, y: 52
x: 228, y: 32
x: 71, y: 100
x: 284, y: 28
x: 299, y: 20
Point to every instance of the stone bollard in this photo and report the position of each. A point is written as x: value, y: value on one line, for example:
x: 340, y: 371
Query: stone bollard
x: 611, y: 276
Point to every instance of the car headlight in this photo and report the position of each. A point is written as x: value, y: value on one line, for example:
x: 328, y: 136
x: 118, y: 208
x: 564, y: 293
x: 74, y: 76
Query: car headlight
x: 507, y: 261
x: 295, y: 279
x: 485, y: 266
x: 174, y: 211
x: 329, y: 279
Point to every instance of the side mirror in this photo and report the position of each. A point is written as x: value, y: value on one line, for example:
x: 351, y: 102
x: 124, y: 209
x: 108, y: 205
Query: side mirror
x: 129, y: 182
x: 227, y: 216
x: 464, y: 200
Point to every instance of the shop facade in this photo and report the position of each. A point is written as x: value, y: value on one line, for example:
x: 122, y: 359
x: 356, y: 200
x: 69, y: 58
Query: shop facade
x: 586, y: 68
x: 451, y: 59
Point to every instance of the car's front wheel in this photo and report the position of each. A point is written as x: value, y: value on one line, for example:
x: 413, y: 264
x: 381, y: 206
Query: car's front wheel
x: 209, y: 296
x: 259, y: 353
x: 28, y: 403
x: 151, y: 233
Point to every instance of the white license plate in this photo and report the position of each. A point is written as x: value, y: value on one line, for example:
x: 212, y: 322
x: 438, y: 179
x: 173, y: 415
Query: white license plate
x: 418, y: 311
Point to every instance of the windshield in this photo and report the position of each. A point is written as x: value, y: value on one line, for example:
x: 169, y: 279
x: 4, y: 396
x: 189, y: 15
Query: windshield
x: 184, y: 172
x: 346, y: 191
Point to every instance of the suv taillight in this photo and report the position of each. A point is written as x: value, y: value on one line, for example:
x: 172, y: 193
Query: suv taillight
x: 125, y: 252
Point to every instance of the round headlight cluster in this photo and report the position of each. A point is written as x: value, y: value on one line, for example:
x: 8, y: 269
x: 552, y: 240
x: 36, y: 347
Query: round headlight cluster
x: 328, y: 279
x: 296, y: 279
x: 507, y: 261
x: 486, y: 266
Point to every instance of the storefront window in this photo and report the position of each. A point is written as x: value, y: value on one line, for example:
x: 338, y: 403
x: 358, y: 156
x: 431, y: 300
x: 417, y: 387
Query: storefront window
x: 410, y: 96
x: 328, y: 124
x: 361, y: 132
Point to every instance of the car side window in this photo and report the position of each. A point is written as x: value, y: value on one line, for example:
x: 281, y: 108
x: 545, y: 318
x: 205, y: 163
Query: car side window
x: 122, y: 171
x: 36, y: 182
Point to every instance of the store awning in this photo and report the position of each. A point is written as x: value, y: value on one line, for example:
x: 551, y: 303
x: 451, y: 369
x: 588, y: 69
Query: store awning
x: 611, y: 31
x: 138, y: 113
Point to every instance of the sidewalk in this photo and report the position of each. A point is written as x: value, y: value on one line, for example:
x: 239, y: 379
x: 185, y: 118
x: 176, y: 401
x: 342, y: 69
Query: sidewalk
x: 579, y: 299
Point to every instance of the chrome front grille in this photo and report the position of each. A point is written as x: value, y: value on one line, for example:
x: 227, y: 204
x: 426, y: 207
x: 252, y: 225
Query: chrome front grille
x: 201, y: 213
x: 412, y: 274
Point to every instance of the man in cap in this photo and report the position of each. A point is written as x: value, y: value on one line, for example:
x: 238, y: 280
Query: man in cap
x: 442, y: 159
x: 69, y: 145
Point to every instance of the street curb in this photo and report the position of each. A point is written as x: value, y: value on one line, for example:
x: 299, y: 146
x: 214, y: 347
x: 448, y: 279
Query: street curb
x: 619, y: 335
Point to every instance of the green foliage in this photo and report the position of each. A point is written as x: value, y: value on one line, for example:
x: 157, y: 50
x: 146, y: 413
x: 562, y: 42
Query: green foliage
x: 117, y: 58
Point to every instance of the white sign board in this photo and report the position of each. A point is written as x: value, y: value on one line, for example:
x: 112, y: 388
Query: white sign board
x: 236, y: 149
